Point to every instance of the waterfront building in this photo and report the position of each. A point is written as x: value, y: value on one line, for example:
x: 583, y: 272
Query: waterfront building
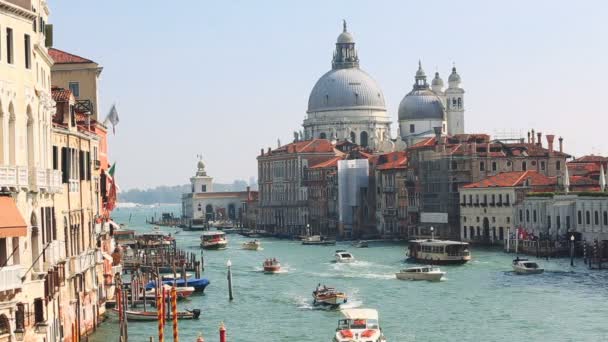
x: 346, y: 103
x: 427, y: 107
x: 321, y: 181
x: 444, y: 164
x: 202, y: 205
x: 283, y: 196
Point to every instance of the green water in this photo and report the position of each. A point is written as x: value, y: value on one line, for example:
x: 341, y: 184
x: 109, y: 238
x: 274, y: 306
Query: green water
x: 479, y: 301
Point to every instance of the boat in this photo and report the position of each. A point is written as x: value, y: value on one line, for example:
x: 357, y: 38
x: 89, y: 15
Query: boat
x: 230, y: 230
x: 272, y: 266
x: 429, y: 273
x: 359, y: 325
x: 525, y: 266
x: 360, y: 244
x: 199, y: 284
x: 343, y: 256
x: 328, y: 296
x: 214, y: 240
x: 440, y: 252
x: 317, y: 240
x: 182, y: 292
x: 153, y: 315
x: 253, y: 245
x: 169, y: 276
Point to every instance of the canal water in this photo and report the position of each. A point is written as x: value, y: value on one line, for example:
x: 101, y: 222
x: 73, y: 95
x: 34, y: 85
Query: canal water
x: 480, y: 301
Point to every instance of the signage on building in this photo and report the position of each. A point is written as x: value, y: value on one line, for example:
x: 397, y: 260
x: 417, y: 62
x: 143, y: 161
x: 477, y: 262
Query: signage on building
x: 434, y: 217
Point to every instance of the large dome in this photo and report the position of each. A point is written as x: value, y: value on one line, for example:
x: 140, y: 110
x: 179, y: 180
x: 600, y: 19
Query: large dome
x: 350, y: 88
x: 421, y: 104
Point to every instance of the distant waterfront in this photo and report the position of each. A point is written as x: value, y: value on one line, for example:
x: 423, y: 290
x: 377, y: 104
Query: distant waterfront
x: 480, y: 301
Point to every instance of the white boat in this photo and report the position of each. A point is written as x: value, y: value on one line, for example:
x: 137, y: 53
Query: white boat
x: 359, y: 325
x: 429, y: 273
x: 214, y: 240
x: 343, y: 256
x: 317, y: 240
x: 439, y: 252
x: 525, y: 266
x: 271, y: 266
x: 360, y: 244
x: 153, y: 315
x: 253, y: 245
x: 328, y: 296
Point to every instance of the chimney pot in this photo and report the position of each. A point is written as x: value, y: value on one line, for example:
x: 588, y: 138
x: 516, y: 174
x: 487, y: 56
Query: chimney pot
x: 528, y: 137
x: 539, y: 136
x: 533, y: 136
x: 550, y: 139
x: 262, y: 151
x: 561, y: 144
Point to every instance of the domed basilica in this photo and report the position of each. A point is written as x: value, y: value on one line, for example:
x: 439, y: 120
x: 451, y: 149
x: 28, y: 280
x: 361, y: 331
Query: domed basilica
x: 347, y: 104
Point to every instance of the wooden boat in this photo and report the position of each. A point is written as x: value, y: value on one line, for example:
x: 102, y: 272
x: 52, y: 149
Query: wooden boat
x: 214, y: 240
x: 145, y: 316
x: 439, y: 252
x: 524, y: 266
x: 328, y: 296
x: 429, y: 273
x: 199, y: 284
x: 317, y: 240
x: 253, y: 245
x: 272, y: 266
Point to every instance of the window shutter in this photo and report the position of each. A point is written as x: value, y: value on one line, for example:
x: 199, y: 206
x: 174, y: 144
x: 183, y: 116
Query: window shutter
x: 55, y: 158
x: 38, y: 310
x: 88, y: 166
x: 20, y: 318
x: 64, y: 164
x: 81, y: 164
x: 103, y: 185
x: 48, y: 35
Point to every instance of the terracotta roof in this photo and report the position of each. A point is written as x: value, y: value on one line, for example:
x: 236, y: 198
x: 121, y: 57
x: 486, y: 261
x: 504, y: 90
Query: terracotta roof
x: 333, y: 162
x: 308, y: 146
x: 393, y: 160
x: 515, y: 178
x: 590, y: 159
x: 12, y: 223
x: 583, y: 168
x: 60, y: 94
x: 62, y: 57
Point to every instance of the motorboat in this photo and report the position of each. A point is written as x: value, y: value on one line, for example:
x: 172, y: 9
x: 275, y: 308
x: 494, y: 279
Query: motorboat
x: 360, y: 244
x: 343, y: 256
x: 214, y: 240
x: 439, y: 252
x: 359, y: 325
x: 199, y: 284
x: 525, y: 266
x: 317, y: 240
x: 181, y: 292
x: 170, y: 276
x: 153, y: 315
x: 328, y: 296
x: 429, y: 273
x: 272, y: 266
x: 252, y: 245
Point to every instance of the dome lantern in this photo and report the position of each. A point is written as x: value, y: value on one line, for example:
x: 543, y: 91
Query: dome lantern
x: 345, y: 55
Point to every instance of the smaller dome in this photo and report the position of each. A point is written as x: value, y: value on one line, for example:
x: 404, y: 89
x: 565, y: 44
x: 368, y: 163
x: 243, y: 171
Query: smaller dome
x: 454, y: 77
x: 201, y: 165
x: 437, y: 81
x: 345, y: 38
x: 421, y: 104
x: 420, y: 71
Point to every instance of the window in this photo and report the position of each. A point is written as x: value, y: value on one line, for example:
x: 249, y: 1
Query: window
x: 464, y: 218
x: 527, y: 215
x: 508, y: 219
x: 494, y: 166
x: 596, y: 217
x: 482, y: 166
x: 55, y: 158
x: 38, y: 310
x: 534, y: 215
x: 28, y: 51
x: 74, y: 88
x: 454, y: 165
x: 493, y: 219
x: 542, y: 165
x: 9, y: 45
x: 477, y: 218
x: 605, y: 218
x: 558, y: 222
x: 524, y: 166
x: 464, y: 231
x: 580, y: 217
x: 568, y: 222
x: 548, y: 221
x: 588, y: 217
x: 412, y: 128
x: 204, y: 188
x: 507, y: 203
x: 558, y: 165
x: 500, y: 198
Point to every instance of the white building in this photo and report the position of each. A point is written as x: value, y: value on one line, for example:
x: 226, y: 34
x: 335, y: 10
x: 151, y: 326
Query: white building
x: 425, y: 108
x: 346, y: 102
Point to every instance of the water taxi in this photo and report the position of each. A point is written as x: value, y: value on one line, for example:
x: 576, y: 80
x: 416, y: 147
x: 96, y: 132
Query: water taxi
x: 359, y: 325
x: 441, y: 252
x: 328, y: 296
x: 524, y: 266
x: 214, y: 240
x: 253, y: 245
x: 360, y: 244
x: 272, y: 266
x: 343, y: 256
x: 429, y: 273
x: 317, y: 240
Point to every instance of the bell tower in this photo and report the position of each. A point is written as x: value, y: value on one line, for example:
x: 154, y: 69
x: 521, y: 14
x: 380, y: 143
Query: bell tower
x: 454, y: 100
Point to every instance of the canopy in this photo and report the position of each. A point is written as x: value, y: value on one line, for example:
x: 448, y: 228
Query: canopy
x: 360, y: 313
x: 12, y: 223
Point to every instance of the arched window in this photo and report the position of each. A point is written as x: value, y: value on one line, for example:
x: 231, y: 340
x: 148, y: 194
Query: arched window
x: 1, y: 135
x: 12, y: 135
x: 353, y: 137
x: 588, y: 217
x: 596, y: 218
x: 580, y: 217
x: 459, y: 103
x: 524, y: 166
x: 364, y: 137
x: 527, y: 215
x: 322, y: 136
x: 31, y: 159
x: 5, y: 327
x: 534, y: 215
x: 605, y: 218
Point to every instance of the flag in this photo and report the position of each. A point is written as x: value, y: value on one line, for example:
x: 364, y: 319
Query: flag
x: 113, y: 188
x: 112, y: 118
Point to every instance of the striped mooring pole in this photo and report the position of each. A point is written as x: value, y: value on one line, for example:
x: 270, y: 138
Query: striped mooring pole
x: 174, y: 312
x: 160, y: 317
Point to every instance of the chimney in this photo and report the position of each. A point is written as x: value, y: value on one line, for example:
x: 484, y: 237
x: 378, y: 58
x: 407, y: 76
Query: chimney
x: 561, y: 144
x: 532, y: 135
x: 269, y: 151
x: 539, y: 136
x: 248, y: 189
x: 550, y: 138
x: 262, y: 152
x: 528, y: 137
x: 437, y: 134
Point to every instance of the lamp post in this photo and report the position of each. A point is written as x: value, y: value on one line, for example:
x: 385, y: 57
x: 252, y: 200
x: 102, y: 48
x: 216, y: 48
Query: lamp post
x: 432, y: 233
x: 572, y: 250
x: 308, y: 229
x: 229, y: 264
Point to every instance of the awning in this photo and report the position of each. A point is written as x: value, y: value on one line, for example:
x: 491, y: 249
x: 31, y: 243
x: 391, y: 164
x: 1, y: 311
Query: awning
x: 12, y: 223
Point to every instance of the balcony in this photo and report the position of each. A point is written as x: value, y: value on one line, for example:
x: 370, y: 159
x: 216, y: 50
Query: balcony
x: 80, y: 263
x: 389, y: 212
x: 38, y: 179
x: 54, y: 254
x: 13, y: 177
x: 10, y: 277
x: 55, y: 184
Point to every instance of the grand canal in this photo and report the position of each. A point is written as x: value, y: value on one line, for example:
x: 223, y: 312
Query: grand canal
x: 480, y: 301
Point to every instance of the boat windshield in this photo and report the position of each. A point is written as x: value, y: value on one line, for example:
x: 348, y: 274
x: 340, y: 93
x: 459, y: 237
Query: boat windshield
x: 531, y: 265
x: 345, y: 255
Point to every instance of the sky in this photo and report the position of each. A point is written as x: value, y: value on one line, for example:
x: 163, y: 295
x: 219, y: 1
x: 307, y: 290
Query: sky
x: 226, y: 78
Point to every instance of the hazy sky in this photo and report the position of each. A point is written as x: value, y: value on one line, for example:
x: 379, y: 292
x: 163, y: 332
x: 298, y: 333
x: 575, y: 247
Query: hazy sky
x: 226, y: 78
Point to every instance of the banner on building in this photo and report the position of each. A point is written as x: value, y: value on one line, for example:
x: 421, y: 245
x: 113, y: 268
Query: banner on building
x: 352, y: 176
x: 434, y: 217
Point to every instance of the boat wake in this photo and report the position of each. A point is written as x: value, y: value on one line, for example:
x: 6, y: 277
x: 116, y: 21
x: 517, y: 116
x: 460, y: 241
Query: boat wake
x: 383, y: 276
